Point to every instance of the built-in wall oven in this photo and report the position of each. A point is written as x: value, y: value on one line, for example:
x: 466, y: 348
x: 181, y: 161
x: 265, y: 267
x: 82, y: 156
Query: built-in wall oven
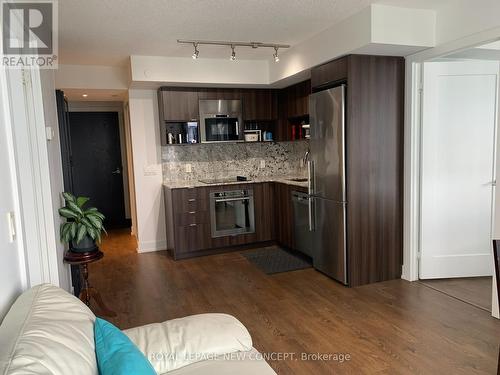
x: 221, y: 120
x: 232, y: 212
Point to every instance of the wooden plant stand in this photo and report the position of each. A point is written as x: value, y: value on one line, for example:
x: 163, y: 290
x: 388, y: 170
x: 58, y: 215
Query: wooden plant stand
x: 88, y: 292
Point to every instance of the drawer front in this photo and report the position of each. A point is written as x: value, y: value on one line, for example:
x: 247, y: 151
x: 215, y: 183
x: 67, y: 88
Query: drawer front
x: 192, y: 217
x: 192, y: 237
x: 189, y: 200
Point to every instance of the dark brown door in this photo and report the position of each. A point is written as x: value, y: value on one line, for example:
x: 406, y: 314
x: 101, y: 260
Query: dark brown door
x: 96, y: 163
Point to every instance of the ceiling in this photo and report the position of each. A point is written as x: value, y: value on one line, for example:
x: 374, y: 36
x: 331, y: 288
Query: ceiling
x: 107, y: 32
x: 95, y: 95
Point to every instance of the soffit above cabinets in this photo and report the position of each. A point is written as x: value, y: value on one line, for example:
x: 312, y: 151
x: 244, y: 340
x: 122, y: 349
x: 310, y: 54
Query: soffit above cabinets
x: 378, y: 29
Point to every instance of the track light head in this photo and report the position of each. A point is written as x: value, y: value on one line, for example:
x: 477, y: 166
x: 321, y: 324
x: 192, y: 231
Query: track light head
x: 233, y: 54
x: 196, y: 52
x: 275, y: 55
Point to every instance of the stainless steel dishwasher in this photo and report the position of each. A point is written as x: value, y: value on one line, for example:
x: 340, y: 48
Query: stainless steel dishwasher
x: 301, y: 222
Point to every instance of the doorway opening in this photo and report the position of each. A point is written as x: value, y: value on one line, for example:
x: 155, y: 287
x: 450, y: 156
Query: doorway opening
x: 97, y: 158
x: 458, y: 161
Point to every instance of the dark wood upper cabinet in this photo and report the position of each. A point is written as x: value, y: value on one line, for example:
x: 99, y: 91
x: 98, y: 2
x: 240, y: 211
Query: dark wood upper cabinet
x: 219, y: 93
x: 260, y: 105
x: 294, y: 100
x: 277, y: 111
x: 178, y: 104
x: 293, y: 107
x: 329, y: 73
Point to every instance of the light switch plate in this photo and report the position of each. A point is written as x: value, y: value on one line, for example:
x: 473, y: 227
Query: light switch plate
x: 49, y: 133
x: 11, y: 222
x: 262, y: 163
x: 188, y: 168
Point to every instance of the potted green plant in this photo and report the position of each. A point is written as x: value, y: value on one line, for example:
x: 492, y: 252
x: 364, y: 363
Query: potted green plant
x: 83, y: 226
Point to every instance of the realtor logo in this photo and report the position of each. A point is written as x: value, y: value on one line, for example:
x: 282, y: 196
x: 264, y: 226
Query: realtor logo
x: 29, y: 33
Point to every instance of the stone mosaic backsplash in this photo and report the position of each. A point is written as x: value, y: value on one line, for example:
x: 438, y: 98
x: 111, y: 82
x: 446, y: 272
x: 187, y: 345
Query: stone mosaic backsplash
x: 217, y: 160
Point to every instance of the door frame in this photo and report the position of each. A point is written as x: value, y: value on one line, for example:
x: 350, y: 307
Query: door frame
x: 83, y: 106
x: 35, y: 221
x: 454, y: 68
x: 412, y: 147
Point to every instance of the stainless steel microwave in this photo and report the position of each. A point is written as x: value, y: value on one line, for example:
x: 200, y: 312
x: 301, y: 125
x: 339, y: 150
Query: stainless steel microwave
x: 221, y: 120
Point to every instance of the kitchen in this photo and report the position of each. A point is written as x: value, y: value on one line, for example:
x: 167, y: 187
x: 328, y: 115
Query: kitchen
x: 243, y: 169
x: 204, y: 154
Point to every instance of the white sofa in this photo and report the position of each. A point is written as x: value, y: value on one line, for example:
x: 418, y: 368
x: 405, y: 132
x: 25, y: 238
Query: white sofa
x: 49, y: 331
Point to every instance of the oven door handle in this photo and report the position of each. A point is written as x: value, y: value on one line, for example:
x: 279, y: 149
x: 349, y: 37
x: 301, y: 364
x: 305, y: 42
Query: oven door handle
x: 232, y: 199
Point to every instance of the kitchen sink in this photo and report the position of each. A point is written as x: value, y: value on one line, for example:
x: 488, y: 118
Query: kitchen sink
x: 298, y: 179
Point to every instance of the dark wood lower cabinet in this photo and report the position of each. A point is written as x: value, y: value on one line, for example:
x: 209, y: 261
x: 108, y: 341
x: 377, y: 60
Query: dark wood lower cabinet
x: 188, y: 219
x: 284, y: 215
x: 192, y: 237
x: 189, y: 228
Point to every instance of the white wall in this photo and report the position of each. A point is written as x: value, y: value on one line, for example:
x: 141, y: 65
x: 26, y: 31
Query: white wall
x: 55, y: 168
x: 186, y: 71
x: 13, y: 277
x: 461, y: 18
x: 92, y: 77
x: 402, y: 26
x: 146, y: 150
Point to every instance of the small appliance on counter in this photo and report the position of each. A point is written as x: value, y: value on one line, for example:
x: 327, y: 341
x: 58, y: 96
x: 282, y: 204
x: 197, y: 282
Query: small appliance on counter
x: 253, y: 135
x: 174, y: 133
x: 267, y: 136
x: 192, y: 135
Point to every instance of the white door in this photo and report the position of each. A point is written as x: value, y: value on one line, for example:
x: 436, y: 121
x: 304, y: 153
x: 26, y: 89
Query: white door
x: 12, y: 270
x: 458, y: 151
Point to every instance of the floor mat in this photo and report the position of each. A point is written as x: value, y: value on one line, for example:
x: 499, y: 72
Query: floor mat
x: 274, y: 259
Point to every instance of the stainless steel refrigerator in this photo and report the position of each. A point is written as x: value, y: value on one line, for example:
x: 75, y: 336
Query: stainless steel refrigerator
x: 327, y: 182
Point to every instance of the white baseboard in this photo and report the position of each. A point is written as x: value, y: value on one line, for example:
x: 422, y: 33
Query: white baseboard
x: 149, y: 246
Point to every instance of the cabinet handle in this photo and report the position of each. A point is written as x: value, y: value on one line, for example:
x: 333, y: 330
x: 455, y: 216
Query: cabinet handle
x: 191, y: 212
x: 191, y: 200
x: 193, y: 225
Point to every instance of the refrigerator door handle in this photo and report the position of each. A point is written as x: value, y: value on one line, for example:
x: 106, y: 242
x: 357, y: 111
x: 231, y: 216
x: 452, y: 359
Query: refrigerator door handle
x: 310, y: 186
x: 310, y: 177
x: 311, y: 214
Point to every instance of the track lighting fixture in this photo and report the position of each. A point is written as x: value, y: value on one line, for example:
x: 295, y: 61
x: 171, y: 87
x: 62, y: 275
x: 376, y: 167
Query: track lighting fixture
x: 196, y: 52
x: 275, y: 55
x: 233, y: 45
x: 233, y: 54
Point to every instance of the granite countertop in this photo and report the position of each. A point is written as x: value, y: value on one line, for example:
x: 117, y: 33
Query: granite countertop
x: 182, y: 184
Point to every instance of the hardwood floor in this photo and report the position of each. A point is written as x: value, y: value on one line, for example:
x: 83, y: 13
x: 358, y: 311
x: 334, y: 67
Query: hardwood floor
x: 393, y: 327
x: 473, y: 290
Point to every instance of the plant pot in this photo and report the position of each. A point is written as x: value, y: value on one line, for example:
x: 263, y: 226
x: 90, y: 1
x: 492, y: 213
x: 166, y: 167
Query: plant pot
x: 87, y: 244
